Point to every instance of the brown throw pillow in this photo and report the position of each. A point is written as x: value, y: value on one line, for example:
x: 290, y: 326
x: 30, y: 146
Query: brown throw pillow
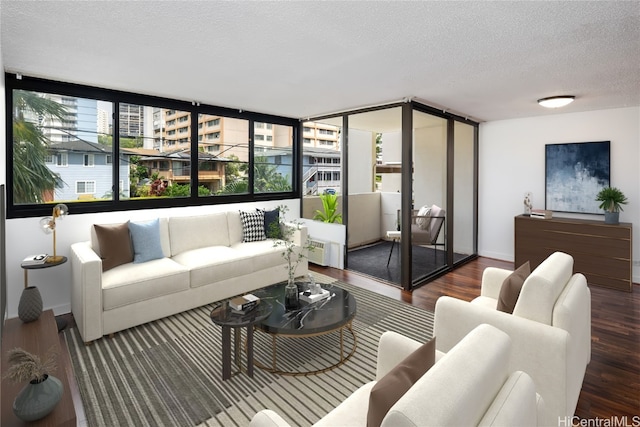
x: 511, y: 287
x: 398, y: 381
x: 115, y: 244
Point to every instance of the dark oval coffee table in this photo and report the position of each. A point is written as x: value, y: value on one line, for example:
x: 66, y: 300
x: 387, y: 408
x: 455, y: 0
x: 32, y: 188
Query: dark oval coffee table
x: 223, y: 315
x: 311, y: 319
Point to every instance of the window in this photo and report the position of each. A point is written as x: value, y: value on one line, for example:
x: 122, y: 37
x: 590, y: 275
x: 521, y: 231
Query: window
x: 88, y: 160
x: 273, y: 160
x: 226, y: 172
x: 84, y: 187
x: 154, y: 145
x: 62, y: 159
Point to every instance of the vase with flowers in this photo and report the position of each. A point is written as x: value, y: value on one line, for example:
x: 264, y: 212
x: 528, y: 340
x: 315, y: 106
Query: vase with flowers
x: 292, y: 253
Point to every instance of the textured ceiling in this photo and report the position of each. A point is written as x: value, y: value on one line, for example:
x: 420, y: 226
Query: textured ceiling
x: 484, y: 60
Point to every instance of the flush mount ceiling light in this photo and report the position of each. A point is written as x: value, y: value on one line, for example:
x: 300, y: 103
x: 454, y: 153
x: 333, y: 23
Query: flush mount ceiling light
x: 556, y: 101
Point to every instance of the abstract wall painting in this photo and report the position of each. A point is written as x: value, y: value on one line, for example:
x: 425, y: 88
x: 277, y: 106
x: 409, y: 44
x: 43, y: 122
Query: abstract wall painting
x: 574, y: 174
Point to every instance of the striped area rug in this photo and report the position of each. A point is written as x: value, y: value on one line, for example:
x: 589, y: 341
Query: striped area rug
x: 168, y: 372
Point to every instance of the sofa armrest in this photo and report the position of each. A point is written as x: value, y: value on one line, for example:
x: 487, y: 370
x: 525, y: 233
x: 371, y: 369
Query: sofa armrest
x: 299, y: 235
x: 267, y: 418
x: 86, y: 290
x: 540, y: 350
x: 492, y: 278
x: 392, y: 349
x: 515, y: 404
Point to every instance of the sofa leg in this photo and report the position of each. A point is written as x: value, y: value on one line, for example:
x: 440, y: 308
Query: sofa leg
x: 111, y: 335
x: 87, y: 344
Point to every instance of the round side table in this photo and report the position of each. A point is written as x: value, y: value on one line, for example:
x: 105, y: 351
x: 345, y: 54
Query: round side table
x: 49, y: 262
x: 223, y: 316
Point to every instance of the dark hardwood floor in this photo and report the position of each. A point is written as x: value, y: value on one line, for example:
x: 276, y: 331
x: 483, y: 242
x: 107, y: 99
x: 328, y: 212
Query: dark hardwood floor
x: 611, y: 387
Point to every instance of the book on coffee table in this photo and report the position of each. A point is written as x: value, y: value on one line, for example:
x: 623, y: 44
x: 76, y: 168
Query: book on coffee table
x: 244, y: 303
x: 314, y: 297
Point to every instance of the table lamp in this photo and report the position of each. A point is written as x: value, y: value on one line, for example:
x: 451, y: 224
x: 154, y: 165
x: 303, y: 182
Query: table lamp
x: 48, y: 226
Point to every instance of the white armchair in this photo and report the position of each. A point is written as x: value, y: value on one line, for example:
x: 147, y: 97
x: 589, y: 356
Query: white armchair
x: 471, y: 385
x: 550, y: 327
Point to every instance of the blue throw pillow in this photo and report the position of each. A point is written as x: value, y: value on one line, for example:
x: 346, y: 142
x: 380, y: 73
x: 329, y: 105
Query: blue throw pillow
x: 145, y: 237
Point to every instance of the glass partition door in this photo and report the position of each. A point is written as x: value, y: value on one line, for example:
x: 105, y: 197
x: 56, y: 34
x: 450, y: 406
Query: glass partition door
x: 429, y: 214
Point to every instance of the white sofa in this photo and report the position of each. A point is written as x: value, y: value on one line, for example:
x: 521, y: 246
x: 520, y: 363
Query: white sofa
x: 470, y: 385
x: 204, y: 261
x: 550, y: 327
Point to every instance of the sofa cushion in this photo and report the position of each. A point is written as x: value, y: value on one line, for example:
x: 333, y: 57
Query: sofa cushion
x: 510, y: 289
x: 115, y: 244
x: 214, y: 264
x: 252, y: 226
x: 263, y: 254
x: 145, y: 239
x: 390, y: 388
x: 131, y: 283
x: 198, y: 231
x: 423, y: 223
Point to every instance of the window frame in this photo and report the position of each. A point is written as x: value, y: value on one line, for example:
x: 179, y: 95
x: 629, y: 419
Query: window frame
x: 12, y: 82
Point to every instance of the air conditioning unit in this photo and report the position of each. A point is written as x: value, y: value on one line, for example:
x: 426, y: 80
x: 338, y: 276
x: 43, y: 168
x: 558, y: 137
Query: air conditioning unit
x: 320, y: 253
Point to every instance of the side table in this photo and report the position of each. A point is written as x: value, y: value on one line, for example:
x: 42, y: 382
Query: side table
x: 48, y: 263
x: 224, y: 316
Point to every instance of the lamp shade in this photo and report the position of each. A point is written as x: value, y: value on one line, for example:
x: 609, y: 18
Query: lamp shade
x: 47, y: 224
x: 556, y: 101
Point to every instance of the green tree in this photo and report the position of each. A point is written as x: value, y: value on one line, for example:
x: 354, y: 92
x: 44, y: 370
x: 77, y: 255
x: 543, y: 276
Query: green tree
x: 233, y: 169
x: 32, y: 179
x: 240, y: 186
x: 266, y: 177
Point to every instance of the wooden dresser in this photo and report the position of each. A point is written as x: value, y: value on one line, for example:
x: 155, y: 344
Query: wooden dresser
x: 602, y: 252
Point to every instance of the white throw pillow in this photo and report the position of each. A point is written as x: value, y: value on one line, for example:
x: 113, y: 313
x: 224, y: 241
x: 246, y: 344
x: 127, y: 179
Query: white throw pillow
x: 423, y: 223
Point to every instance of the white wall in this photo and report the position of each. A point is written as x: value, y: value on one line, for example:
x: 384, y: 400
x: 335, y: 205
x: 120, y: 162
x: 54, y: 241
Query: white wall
x: 430, y: 166
x: 512, y: 162
x: 25, y: 238
x: 362, y: 161
x: 391, y: 153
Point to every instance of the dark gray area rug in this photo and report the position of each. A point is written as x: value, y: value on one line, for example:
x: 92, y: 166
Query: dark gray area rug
x: 372, y: 261
x: 168, y: 372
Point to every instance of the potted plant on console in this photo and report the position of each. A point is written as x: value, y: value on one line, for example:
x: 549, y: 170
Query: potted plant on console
x: 611, y: 199
x: 282, y: 232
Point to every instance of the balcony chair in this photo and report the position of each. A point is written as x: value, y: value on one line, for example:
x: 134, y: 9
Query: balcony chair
x: 426, y: 224
x: 550, y: 327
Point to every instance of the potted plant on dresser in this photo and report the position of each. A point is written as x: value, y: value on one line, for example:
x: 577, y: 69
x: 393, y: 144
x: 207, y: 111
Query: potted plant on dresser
x: 42, y: 392
x: 611, y: 199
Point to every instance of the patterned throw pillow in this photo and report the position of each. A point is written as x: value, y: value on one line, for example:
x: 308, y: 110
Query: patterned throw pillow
x: 253, y: 226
